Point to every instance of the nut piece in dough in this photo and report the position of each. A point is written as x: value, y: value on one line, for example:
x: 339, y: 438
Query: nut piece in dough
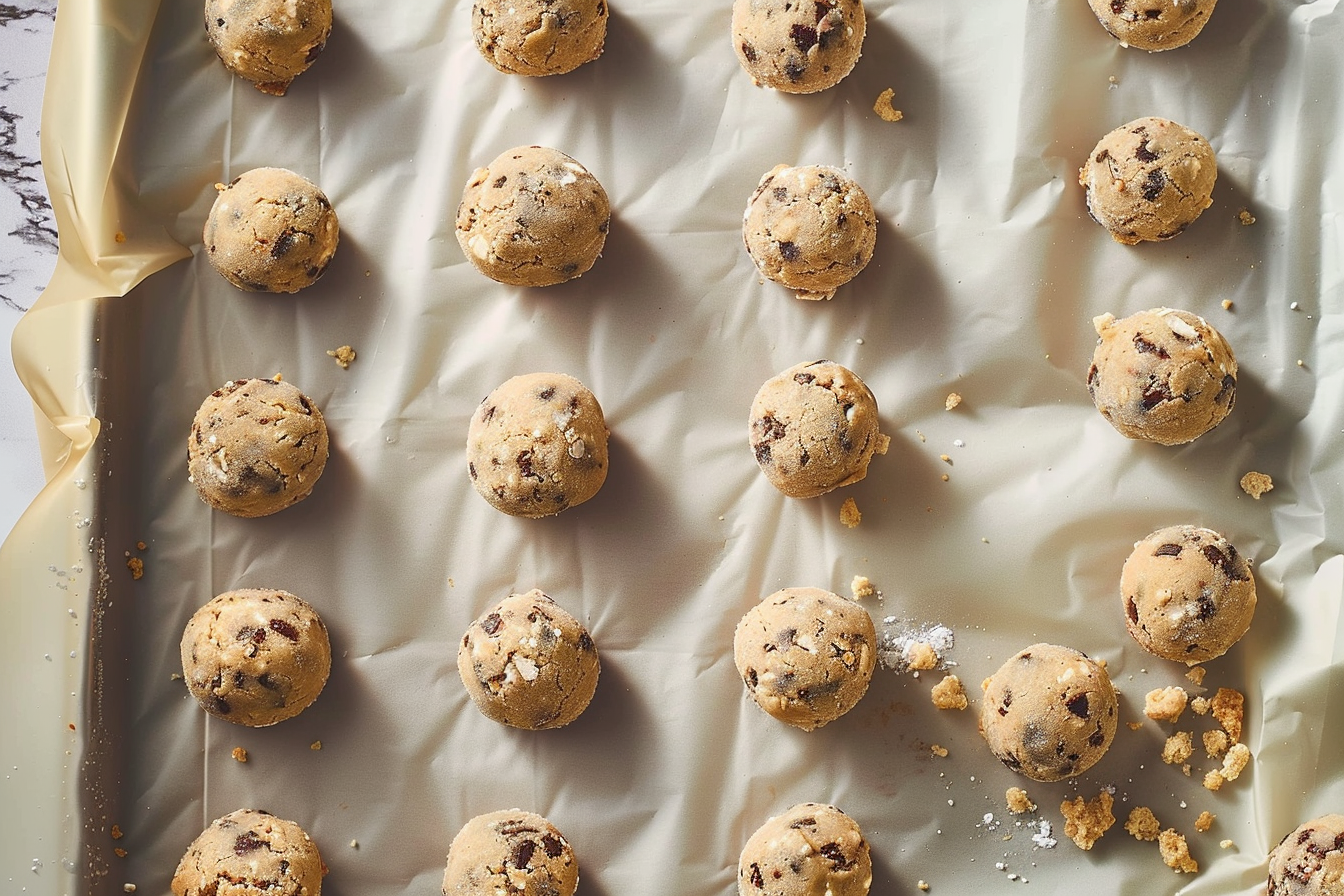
x: 1309, y: 861
x: 255, y: 656
x: 806, y: 655
x: 268, y: 42
x: 1187, y: 594
x: 808, y: 850
x: 256, y: 447
x: 513, y: 852
x: 798, y: 47
x: 1162, y: 375
x: 539, y: 37
x: 533, y: 217
x: 1049, y: 712
x: 813, y: 429
x: 810, y: 228
x: 1153, y: 25
x: 250, y: 851
x: 537, y: 445
x: 271, y: 230
x: 1149, y: 180
x: 528, y: 663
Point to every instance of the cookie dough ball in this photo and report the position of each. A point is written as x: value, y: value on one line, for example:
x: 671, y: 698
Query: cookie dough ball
x: 1310, y: 860
x: 809, y: 850
x: 814, y: 428
x: 268, y: 42
x: 811, y: 229
x: 806, y: 655
x: 798, y: 47
x: 271, y: 230
x: 1149, y: 180
x: 537, y: 445
x: 533, y: 217
x: 1188, y: 595
x: 248, y: 853
x: 1049, y: 712
x: 512, y: 852
x: 528, y: 663
x: 1162, y: 375
x: 539, y: 37
x: 255, y: 656
x: 1153, y: 24
x: 256, y: 447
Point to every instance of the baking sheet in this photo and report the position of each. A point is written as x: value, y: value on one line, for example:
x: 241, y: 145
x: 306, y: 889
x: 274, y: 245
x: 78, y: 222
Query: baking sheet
x: 986, y: 277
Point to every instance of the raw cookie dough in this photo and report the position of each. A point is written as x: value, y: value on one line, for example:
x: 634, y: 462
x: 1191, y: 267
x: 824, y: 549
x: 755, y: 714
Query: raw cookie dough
x: 537, y: 445
x: 256, y: 446
x: 1153, y: 24
x: 811, y: 229
x: 1162, y: 375
x: 513, y: 852
x: 539, y: 37
x: 1049, y: 712
x: 1310, y: 860
x: 1187, y: 594
x: 533, y: 217
x: 1149, y: 180
x: 813, y: 428
x: 255, y: 656
x: 798, y: 47
x: 528, y: 663
x: 248, y: 853
x: 271, y: 230
x: 268, y: 42
x: 806, y: 655
x: 809, y: 850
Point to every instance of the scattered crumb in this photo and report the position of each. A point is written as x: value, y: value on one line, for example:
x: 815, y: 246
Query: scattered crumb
x: 945, y: 459
x: 1102, y: 321
x: 1256, y: 484
x: 953, y: 399
x: 128, y: 888
x: 849, y: 513
x: 1133, y: 726
x: 861, y: 587
x: 946, y: 478
x: 940, y: 752
x: 1216, y: 742
x: 1018, y: 801
x: 1200, y: 706
x: 923, y: 885
x: 920, y: 655
x: 119, y: 237
x: 1178, y: 748
x: 1227, y: 304
x: 315, y: 745
x: 120, y: 853
x: 1226, y: 844
x: 949, y: 694
x: 921, y: 436
x: 136, y: 566
x: 884, y: 109
x: 354, y: 844
x: 883, y: 444
x: 1143, y: 824
x: 1086, y: 820
x: 1204, y: 821
x: 141, y: 546
x: 1229, y: 709
x: 1196, y: 675
x: 240, y: 754
x: 116, y: 832
x: 278, y: 377
x: 343, y: 355
x: 1245, y: 217
x: 899, y: 642
x: 1165, y: 704
x: 1236, y: 760
x: 1176, y: 852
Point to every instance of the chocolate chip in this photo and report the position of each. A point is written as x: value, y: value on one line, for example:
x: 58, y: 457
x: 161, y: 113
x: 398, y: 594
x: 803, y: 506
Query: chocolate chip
x: 551, y: 843
x: 492, y: 623
x: 314, y: 52
x: 500, y: 181
x: 585, y: 642
x: 1102, y: 156
x: 523, y: 852
x: 1097, y: 738
x: 1149, y: 348
x: 807, y: 822
x: 1168, y: 550
x: 837, y: 858
x: 795, y: 69
x: 804, y: 38
x: 247, y: 843
x: 547, y: 394
x: 1078, y: 706
x: 757, y: 880
x: 748, y: 52
x: 1144, y: 154
x: 471, y: 469
x: 281, y: 627
x: 1152, y: 187
x: 789, y: 251
x: 1117, y: 6
x: 1154, y: 395
x: 803, y: 378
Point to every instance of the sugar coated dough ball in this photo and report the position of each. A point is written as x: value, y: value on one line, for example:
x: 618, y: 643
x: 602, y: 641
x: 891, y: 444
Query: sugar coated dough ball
x: 271, y: 230
x: 256, y: 447
x: 811, y: 229
x: 806, y: 655
x: 798, y: 47
x: 1049, y: 712
x: 1187, y: 594
x: 248, y: 853
x: 1153, y: 24
x: 539, y: 37
x: 255, y: 656
x: 1310, y: 860
x: 268, y: 42
x: 813, y: 428
x: 810, y: 850
x: 537, y: 445
x: 533, y: 217
x: 1162, y: 375
x: 1149, y: 180
x: 512, y: 852
x: 528, y: 663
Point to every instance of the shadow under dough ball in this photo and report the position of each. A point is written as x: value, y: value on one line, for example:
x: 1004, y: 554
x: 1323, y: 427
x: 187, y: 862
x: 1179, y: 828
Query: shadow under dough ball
x: 268, y: 42
x: 1153, y: 24
x: 250, y: 851
x: 511, y: 851
x: 1309, y: 861
x: 808, y: 850
x: 798, y: 47
x: 539, y: 37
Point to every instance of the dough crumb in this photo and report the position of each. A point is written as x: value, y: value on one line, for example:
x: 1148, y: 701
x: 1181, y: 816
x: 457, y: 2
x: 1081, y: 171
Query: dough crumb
x: 884, y: 109
x: 136, y: 566
x: 1133, y: 726
x: 1245, y: 217
x: 1178, y: 748
x: 239, y: 754
x: 883, y: 443
x: 953, y: 399
x: 1176, y: 852
x: 1256, y: 484
x: 920, y: 656
x: 119, y: 237
x: 1227, y: 304
x: 1143, y: 824
x: 120, y: 853
x: 849, y: 513
x: 949, y: 694
x: 1018, y: 801
x: 116, y: 832
x: 1204, y: 821
x: 945, y: 458
x: 128, y: 888
x: 1165, y: 704
x: 1196, y: 675
x: 946, y: 478
x: 939, y: 751
x: 315, y: 745
x: 1229, y: 709
x: 1085, y: 821
x: 1216, y: 743
x: 861, y: 587
x: 923, y: 885
x: 1226, y: 844
x: 1200, y: 706
x: 343, y: 355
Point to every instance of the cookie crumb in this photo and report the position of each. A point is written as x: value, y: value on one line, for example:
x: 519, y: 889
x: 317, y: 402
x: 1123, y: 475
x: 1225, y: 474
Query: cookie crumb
x: 1178, y: 748
x: 1018, y: 801
x: 116, y: 832
x: 884, y: 109
x: 1227, y: 304
x: 128, y: 888
x: 1085, y: 821
x: 1133, y: 726
x: 883, y: 444
x: 1216, y: 743
x: 120, y: 853
x: 923, y: 885
x: 136, y: 566
x: 1204, y: 821
x: 849, y: 513
x: 953, y: 399
x: 1200, y: 706
x: 1236, y: 760
x: 119, y: 237
x: 343, y: 355
x: 945, y: 459
x: 1229, y: 709
x: 315, y: 745
x: 1245, y: 217
x: 1165, y: 704
x: 861, y: 587
x: 141, y: 546
x: 939, y: 751
x: 946, y: 478
x: 948, y: 693
x: 920, y: 655
x: 1143, y: 824
x: 1256, y: 484
x: 1196, y: 675
x: 354, y: 844
x: 1226, y: 844
x: 1176, y: 852
x: 239, y: 754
